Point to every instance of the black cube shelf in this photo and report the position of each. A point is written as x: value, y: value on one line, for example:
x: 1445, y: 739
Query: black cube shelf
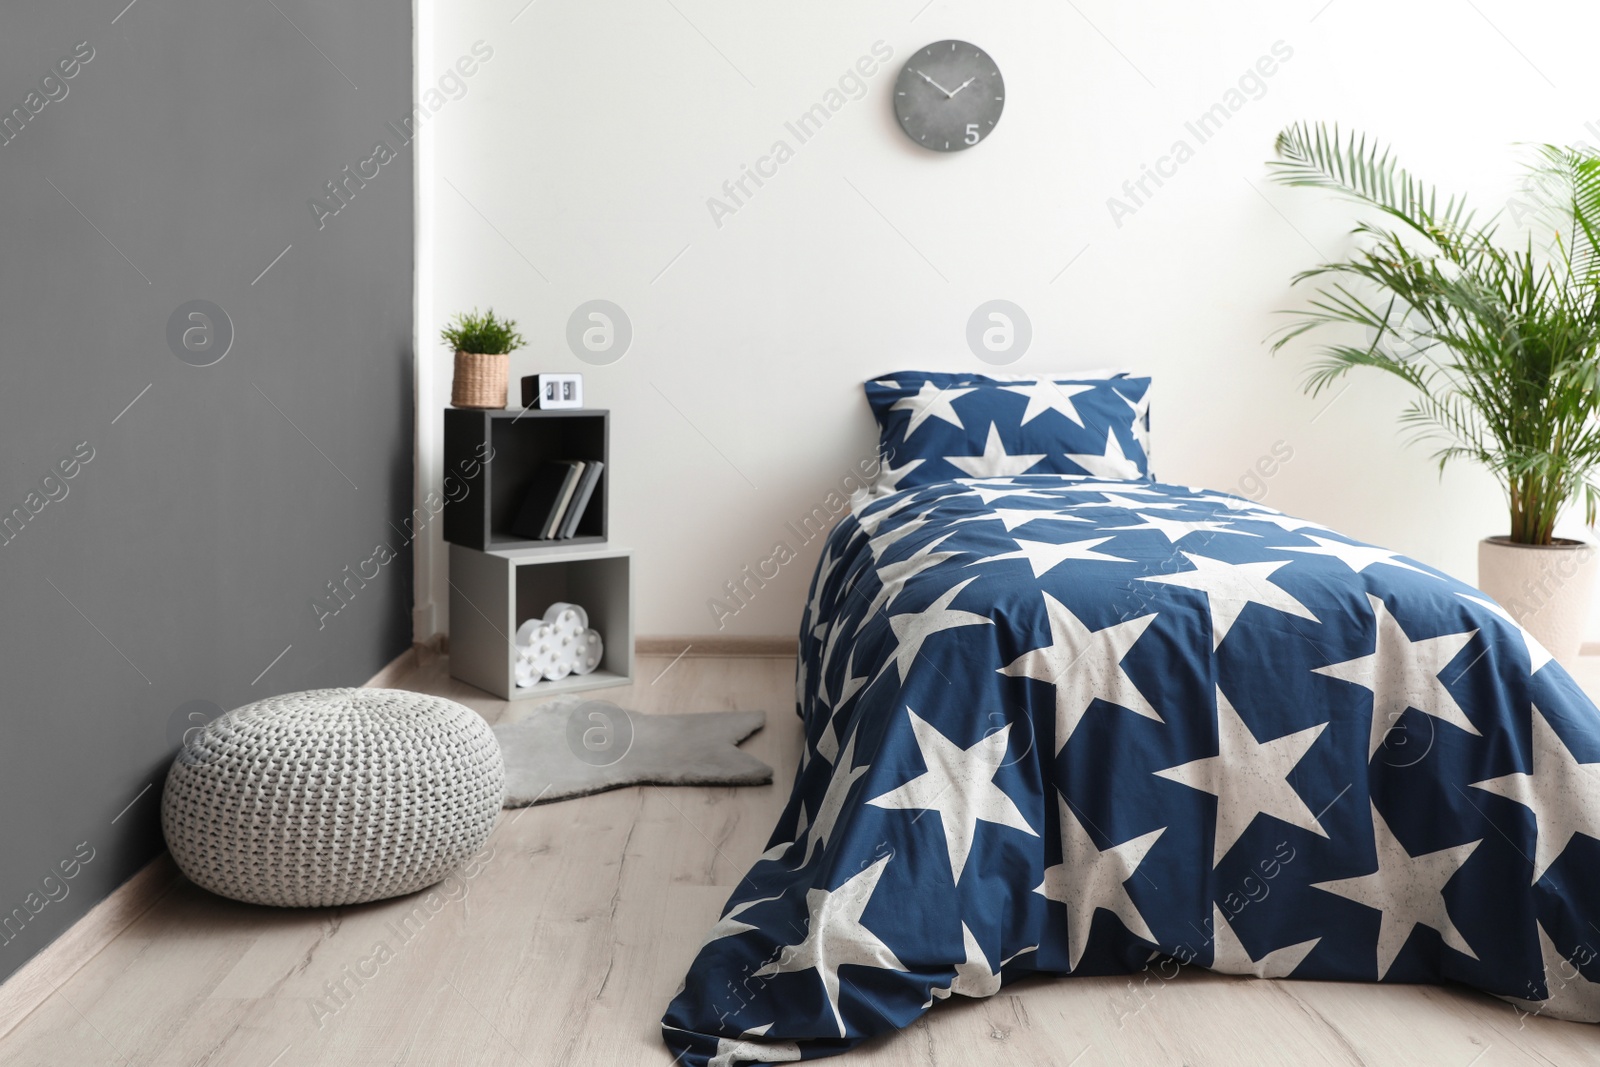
x: 481, y: 517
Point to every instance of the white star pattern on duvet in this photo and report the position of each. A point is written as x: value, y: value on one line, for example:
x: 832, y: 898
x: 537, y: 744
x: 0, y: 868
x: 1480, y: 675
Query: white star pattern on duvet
x: 1229, y: 955
x: 849, y: 685
x: 733, y: 1051
x: 844, y: 776
x: 892, y: 577
x: 930, y: 402
x: 1071, y: 484
x: 889, y: 478
x: 1357, y: 557
x: 1563, y: 794
x: 835, y: 937
x: 824, y: 572
x: 1113, y: 464
x: 1407, y: 890
x: 1141, y: 408
x: 1014, y: 517
x: 911, y: 629
x: 1568, y: 994
x: 827, y: 651
x: 1118, y: 500
x: 730, y: 926
x: 827, y: 742
x: 878, y: 544
x: 995, y: 459
x: 1199, y: 495
x: 1045, y: 556
x: 1402, y: 674
x: 959, y: 786
x: 800, y: 677
x: 1088, y: 879
x: 990, y: 493
x: 1175, y: 530
x: 1045, y: 395
x: 974, y: 978
x: 1249, y: 778
x: 1284, y: 522
x: 1538, y: 655
x: 1231, y: 587
x: 1084, y: 666
x: 869, y: 523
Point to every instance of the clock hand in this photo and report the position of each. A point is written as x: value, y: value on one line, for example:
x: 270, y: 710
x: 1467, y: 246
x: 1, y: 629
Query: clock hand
x: 933, y: 83
x: 963, y: 85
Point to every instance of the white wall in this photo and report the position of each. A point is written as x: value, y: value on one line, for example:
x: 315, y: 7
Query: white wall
x: 586, y: 149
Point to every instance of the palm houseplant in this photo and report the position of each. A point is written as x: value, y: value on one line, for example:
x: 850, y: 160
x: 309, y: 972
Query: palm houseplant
x: 483, y: 344
x: 1496, y: 336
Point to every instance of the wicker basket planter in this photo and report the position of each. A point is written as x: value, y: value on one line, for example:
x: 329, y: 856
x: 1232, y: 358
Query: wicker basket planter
x: 480, y: 380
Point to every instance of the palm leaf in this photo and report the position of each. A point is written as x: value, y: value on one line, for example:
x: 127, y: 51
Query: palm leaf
x: 1503, y: 362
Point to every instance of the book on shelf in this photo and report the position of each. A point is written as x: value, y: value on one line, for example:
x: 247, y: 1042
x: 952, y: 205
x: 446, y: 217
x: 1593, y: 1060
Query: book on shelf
x: 580, y: 498
x: 550, y: 480
x: 568, y: 486
x: 558, y: 495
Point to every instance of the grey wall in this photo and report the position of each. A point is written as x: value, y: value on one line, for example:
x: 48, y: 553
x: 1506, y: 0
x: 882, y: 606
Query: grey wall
x: 181, y: 559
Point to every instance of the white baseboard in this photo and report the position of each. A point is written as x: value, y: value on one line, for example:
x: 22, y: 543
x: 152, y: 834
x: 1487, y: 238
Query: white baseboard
x: 718, y: 645
x: 424, y: 622
x: 392, y: 671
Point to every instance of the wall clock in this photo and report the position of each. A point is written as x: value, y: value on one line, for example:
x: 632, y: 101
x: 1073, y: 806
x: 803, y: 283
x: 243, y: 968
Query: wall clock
x: 949, y: 96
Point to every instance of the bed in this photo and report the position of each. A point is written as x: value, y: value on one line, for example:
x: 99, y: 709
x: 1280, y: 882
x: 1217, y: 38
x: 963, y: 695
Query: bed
x: 1064, y: 719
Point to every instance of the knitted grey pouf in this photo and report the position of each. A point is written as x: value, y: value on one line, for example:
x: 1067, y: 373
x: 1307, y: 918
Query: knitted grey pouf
x: 334, y: 796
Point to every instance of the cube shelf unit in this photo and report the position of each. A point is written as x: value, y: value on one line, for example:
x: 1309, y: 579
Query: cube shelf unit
x: 492, y: 593
x: 481, y: 517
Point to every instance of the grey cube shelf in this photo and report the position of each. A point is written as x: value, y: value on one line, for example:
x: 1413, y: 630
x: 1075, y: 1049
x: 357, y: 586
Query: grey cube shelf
x: 492, y: 593
x: 521, y: 440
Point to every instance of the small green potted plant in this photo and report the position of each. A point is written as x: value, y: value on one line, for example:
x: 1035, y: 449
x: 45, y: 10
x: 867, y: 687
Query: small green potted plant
x: 483, y: 344
x: 1500, y: 340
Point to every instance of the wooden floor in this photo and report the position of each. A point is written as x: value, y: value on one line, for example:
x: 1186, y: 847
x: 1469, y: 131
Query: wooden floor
x: 566, y: 946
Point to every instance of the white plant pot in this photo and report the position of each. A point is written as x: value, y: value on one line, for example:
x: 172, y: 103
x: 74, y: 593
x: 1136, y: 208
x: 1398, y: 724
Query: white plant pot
x: 1546, y: 588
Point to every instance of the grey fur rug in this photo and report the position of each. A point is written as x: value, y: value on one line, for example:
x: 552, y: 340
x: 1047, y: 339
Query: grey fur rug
x: 573, y: 747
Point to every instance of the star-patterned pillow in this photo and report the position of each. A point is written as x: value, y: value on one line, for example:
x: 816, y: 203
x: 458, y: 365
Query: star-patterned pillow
x: 934, y: 427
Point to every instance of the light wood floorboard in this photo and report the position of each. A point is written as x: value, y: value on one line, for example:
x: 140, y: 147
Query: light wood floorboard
x: 568, y: 942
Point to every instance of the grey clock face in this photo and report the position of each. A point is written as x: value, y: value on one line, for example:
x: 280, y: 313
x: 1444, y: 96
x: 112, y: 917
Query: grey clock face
x: 949, y: 96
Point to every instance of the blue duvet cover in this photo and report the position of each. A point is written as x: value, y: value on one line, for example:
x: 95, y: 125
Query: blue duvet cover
x: 1066, y: 726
